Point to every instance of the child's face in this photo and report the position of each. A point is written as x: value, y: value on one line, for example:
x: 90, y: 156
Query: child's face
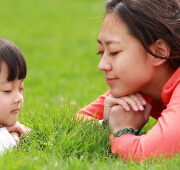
x: 124, y: 61
x: 11, y: 98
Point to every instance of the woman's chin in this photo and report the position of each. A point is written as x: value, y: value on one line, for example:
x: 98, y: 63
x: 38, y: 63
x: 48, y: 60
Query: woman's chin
x: 115, y: 93
x: 118, y: 93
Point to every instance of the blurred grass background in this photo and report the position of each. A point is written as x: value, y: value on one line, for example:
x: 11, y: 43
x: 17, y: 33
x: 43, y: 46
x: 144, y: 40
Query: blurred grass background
x: 59, y: 41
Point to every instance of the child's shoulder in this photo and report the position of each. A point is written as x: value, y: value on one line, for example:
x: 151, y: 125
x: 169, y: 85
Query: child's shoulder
x: 6, y: 140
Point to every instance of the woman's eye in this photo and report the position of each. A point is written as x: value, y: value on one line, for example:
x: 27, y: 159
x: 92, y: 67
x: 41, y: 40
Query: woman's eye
x: 113, y: 54
x: 21, y: 89
x: 99, y: 52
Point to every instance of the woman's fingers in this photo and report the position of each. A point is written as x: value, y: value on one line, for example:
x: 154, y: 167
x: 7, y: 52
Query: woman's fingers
x: 141, y: 98
x: 136, y: 101
x: 120, y: 119
x: 111, y: 101
x: 147, y: 111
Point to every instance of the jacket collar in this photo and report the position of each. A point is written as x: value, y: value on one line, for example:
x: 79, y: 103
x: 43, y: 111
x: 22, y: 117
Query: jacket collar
x: 170, y: 86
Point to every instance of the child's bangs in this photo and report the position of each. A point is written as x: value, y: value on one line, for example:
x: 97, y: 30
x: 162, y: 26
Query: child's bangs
x: 14, y: 59
x: 16, y: 69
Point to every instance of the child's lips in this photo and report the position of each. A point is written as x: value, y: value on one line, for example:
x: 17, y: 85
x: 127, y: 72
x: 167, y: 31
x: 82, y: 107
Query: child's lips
x: 15, y: 111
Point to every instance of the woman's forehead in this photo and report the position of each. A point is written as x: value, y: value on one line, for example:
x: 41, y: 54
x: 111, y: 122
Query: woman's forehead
x: 113, y: 28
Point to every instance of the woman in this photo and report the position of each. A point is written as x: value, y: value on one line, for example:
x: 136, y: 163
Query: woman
x: 140, y: 58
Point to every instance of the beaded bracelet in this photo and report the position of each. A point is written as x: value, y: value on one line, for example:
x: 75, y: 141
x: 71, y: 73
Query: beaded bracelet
x: 127, y: 131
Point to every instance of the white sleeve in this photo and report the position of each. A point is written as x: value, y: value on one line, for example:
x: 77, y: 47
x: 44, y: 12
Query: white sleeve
x: 6, y: 140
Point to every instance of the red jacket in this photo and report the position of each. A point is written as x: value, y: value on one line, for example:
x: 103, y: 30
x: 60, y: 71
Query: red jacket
x: 164, y: 137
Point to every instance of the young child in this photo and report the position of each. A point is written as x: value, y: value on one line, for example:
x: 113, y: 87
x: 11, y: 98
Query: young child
x: 12, y: 73
x: 139, y: 47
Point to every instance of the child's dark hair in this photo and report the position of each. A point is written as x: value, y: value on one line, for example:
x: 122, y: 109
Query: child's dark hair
x: 150, y: 20
x: 14, y: 59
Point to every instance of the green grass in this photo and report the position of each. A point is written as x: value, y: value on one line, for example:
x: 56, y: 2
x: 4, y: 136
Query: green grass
x: 59, y: 41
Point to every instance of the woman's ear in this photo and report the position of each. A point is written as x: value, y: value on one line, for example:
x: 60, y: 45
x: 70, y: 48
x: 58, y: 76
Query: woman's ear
x: 160, y: 48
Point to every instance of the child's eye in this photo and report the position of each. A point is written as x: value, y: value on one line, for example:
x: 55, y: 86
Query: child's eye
x: 113, y: 54
x: 7, y: 91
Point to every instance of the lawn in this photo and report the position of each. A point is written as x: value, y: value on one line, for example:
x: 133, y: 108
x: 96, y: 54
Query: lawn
x: 59, y: 41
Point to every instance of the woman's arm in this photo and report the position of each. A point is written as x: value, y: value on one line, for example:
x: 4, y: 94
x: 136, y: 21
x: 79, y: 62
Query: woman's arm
x: 164, y: 137
x: 96, y: 108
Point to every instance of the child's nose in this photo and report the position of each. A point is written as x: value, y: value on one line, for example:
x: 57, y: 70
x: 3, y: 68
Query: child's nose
x: 18, y: 98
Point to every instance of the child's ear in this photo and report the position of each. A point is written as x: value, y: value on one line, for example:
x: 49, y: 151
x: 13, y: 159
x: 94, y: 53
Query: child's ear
x: 160, y: 48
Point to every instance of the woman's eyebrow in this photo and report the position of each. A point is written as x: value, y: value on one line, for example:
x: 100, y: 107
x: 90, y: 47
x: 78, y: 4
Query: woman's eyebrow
x: 109, y: 42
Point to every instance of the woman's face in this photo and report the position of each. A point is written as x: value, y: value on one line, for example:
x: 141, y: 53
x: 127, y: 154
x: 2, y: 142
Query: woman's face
x: 124, y: 61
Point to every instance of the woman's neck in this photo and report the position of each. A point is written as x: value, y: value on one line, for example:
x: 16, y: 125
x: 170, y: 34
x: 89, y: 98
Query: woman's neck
x: 161, y: 76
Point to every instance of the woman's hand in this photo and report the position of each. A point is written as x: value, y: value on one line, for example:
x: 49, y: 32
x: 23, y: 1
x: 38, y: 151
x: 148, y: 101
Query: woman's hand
x: 17, y: 127
x: 134, y: 101
x: 119, y: 118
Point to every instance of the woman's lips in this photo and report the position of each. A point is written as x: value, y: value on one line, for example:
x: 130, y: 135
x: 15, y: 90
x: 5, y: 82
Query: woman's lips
x: 111, y: 80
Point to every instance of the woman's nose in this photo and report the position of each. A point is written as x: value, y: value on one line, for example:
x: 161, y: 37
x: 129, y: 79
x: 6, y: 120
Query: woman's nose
x: 104, y: 64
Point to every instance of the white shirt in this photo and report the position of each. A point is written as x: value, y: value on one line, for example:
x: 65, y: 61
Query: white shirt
x: 6, y: 140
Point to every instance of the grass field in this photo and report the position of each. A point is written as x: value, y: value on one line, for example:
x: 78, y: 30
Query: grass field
x: 59, y: 41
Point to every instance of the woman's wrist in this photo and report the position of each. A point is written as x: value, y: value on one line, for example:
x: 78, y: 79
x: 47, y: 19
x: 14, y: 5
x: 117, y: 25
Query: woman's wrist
x: 124, y: 131
x: 122, y: 127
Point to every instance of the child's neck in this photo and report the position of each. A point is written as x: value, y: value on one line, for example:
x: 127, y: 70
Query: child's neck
x: 1, y: 125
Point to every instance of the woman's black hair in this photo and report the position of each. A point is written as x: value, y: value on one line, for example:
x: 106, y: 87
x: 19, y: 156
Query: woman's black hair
x: 14, y: 59
x: 150, y: 20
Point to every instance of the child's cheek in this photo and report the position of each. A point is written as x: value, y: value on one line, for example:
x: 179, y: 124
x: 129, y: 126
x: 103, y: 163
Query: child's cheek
x: 4, y: 105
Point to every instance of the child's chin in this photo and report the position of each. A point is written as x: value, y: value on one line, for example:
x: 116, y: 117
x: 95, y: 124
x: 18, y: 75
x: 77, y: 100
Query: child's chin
x: 11, y: 123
